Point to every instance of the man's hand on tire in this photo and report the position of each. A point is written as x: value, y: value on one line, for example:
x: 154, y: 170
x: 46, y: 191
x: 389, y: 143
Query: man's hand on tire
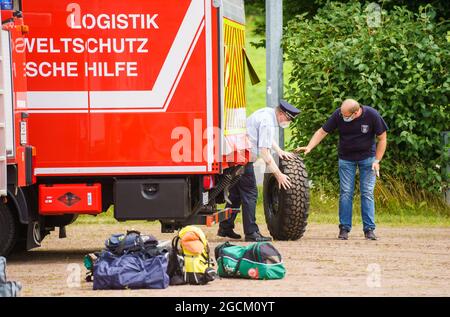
x: 283, y: 180
x: 304, y: 149
x: 286, y: 155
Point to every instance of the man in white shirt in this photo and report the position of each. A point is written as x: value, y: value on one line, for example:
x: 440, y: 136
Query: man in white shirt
x: 262, y: 130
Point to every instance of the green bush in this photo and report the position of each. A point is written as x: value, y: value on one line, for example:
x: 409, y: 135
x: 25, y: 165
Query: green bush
x: 291, y: 8
x: 400, y: 67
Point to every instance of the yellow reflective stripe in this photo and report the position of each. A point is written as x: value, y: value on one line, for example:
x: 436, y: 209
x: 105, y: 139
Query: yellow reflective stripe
x: 234, y: 24
x: 235, y: 97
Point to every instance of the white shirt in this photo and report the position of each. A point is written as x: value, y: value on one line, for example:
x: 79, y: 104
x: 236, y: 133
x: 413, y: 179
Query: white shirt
x: 262, y: 130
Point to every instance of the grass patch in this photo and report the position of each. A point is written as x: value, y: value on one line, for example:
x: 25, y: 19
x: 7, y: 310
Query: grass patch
x: 394, y: 205
x: 105, y: 218
x: 324, y: 210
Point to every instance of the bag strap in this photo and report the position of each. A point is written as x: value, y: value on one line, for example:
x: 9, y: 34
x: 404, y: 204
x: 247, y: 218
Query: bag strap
x: 221, y: 247
x: 225, y: 245
x: 175, y: 243
x: 238, y: 265
x: 208, y: 252
x: 121, y: 247
x: 133, y: 231
x: 207, y: 257
x: 236, y: 269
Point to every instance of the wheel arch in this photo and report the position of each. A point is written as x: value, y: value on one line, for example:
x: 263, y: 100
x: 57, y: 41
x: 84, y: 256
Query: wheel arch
x: 20, y: 205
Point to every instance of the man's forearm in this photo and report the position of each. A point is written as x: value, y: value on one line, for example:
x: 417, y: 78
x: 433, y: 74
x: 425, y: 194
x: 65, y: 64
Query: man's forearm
x: 381, y: 146
x: 317, y: 138
x: 276, y: 147
x: 270, y: 162
x: 381, y: 149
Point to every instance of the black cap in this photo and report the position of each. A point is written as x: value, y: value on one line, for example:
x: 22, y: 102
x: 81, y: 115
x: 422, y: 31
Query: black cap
x: 289, y: 109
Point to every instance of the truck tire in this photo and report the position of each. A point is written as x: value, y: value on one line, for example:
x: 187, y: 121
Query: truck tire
x: 9, y: 230
x: 286, y: 211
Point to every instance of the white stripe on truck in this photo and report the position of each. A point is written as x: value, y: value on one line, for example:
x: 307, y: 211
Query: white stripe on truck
x: 118, y: 170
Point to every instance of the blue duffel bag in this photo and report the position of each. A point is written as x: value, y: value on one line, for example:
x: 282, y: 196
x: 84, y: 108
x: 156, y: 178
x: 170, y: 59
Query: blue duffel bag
x: 133, y: 271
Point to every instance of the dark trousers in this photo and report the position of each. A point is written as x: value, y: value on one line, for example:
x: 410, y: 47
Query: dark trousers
x: 245, y: 194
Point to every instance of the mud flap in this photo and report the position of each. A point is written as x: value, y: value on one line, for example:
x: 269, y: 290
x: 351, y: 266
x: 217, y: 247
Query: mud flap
x: 254, y: 78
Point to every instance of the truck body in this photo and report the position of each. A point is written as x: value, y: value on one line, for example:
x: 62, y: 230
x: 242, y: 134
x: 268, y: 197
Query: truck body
x: 138, y: 105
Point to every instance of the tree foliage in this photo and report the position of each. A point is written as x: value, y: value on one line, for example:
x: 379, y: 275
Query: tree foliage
x: 400, y: 67
x: 292, y: 8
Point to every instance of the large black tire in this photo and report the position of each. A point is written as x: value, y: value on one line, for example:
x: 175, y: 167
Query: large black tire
x: 9, y: 230
x: 286, y: 211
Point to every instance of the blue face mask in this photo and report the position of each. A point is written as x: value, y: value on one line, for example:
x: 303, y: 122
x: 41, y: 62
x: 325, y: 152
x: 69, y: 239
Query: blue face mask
x: 349, y: 119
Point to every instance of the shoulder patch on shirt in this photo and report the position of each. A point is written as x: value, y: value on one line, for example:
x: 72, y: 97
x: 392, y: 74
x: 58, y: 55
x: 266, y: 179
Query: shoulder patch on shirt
x: 364, y: 128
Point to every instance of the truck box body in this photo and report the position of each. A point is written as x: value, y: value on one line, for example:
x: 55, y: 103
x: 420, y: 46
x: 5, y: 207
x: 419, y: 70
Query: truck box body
x: 134, y: 104
x: 119, y: 87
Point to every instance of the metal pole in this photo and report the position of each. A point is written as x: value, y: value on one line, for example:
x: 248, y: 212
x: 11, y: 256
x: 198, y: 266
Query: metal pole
x: 274, y: 56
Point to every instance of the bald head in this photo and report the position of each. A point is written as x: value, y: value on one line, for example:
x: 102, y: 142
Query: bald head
x: 349, y: 107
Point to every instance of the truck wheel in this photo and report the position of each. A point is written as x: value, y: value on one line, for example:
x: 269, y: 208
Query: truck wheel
x: 286, y: 211
x: 9, y: 230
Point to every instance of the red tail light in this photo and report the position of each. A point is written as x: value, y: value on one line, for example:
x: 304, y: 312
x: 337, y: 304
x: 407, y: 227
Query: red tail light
x: 208, y: 182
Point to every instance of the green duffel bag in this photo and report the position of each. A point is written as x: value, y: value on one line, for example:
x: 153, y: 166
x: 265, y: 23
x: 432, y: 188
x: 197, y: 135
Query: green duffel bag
x: 260, y: 261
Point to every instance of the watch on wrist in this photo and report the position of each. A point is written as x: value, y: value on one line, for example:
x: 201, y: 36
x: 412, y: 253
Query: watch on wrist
x: 377, y: 161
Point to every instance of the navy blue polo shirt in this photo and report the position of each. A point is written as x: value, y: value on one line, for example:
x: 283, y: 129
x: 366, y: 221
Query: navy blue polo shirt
x: 357, y: 138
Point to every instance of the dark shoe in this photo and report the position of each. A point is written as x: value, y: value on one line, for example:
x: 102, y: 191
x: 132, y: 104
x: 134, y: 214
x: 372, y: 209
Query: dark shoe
x: 256, y: 237
x: 370, y: 235
x: 229, y: 233
x: 343, y: 234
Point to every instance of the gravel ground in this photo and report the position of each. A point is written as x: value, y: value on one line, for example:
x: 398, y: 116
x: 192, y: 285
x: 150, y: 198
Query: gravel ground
x: 403, y: 262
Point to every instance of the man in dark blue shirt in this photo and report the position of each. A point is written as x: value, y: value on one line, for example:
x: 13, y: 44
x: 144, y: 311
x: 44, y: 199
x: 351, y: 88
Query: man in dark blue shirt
x: 357, y: 126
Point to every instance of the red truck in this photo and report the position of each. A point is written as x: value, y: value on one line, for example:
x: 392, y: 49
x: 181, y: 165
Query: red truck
x: 138, y: 105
